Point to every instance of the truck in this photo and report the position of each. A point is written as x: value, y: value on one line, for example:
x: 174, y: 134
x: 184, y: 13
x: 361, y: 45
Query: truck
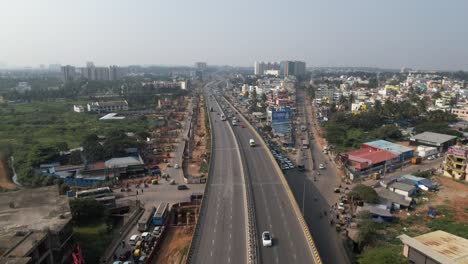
x: 416, y: 160
x: 300, y: 161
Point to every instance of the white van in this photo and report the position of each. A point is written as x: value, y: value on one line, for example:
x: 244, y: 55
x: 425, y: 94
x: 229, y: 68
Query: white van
x: 252, y: 142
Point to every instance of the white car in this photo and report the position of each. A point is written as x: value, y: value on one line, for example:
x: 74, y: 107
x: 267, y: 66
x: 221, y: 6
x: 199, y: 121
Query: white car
x: 267, y: 239
x: 321, y: 166
x: 157, y: 231
x: 176, y: 166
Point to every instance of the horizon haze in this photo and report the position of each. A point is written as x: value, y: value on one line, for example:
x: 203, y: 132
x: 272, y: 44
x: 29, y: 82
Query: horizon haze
x: 428, y: 35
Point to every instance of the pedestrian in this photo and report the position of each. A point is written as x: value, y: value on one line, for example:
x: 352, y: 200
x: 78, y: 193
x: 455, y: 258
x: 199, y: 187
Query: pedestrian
x: 141, y: 190
x: 137, y: 192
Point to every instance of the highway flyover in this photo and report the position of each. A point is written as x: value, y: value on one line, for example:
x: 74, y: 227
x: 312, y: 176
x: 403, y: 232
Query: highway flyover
x: 274, y: 210
x: 222, y: 235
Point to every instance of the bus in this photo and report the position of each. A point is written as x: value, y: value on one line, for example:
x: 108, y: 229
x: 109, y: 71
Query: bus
x: 146, y: 220
x: 94, y: 193
x: 161, y: 213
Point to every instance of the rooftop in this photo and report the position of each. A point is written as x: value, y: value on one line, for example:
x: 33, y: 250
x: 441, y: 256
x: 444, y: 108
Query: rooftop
x: 432, y: 137
x: 33, y: 209
x: 387, y: 195
x: 440, y: 246
x: 123, y: 162
x: 26, y: 210
x: 387, y: 145
x: 402, y: 186
x: 113, y: 103
x: 372, y: 155
x: 6, y: 260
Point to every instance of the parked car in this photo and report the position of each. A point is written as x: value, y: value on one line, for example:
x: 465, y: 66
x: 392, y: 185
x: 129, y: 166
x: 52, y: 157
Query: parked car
x: 182, y: 187
x: 134, y: 239
x: 267, y: 239
x: 157, y: 231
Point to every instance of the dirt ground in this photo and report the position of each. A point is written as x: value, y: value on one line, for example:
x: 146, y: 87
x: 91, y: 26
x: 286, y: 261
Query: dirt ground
x: 175, y: 245
x: 453, y: 194
x: 197, y: 159
x: 5, y: 179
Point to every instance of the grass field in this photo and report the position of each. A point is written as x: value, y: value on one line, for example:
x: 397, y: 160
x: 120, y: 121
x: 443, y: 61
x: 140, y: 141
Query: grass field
x: 24, y: 126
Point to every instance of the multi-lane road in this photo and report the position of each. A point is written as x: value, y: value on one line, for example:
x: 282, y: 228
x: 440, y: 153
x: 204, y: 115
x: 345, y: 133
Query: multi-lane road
x: 223, y: 225
x: 273, y: 209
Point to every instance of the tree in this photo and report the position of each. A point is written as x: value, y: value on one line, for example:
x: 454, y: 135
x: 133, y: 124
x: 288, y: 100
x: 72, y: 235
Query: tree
x: 87, y: 210
x: 61, y: 146
x: 367, y: 229
x: 383, y: 254
x: 364, y: 193
x: 42, y: 153
x: 92, y: 149
x: 389, y: 132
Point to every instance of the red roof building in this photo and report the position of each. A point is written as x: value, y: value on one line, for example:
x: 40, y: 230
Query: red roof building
x: 368, y: 157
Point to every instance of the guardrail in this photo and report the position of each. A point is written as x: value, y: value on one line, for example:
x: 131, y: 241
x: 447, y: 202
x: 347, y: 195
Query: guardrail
x: 252, y: 247
x: 254, y: 250
x: 299, y: 215
x: 196, y: 233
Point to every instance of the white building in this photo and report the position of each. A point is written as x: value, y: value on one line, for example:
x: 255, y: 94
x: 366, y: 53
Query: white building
x: 112, y: 106
x: 183, y: 85
x: 261, y: 67
x: 78, y: 108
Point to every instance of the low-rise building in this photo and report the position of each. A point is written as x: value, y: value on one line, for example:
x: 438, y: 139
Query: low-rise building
x: 403, y: 153
x: 435, y: 247
x: 461, y: 113
x: 78, y: 108
x: 456, y: 161
x: 35, y: 227
x: 403, y: 189
x: 431, y: 139
x: 106, y: 107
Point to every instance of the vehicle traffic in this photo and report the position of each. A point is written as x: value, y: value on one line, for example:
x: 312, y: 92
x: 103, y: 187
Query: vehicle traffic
x: 252, y: 142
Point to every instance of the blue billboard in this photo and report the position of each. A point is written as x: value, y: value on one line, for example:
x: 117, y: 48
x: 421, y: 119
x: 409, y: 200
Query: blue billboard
x: 279, y: 116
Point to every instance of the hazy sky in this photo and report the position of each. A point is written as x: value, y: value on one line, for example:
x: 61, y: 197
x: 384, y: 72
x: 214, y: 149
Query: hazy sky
x: 424, y: 34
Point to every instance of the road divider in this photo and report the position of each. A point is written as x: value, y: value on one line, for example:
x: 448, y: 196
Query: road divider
x: 293, y: 201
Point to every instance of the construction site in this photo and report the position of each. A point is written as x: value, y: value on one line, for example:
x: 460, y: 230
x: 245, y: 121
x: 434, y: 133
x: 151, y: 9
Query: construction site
x: 197, y: 154
x: 455, y: 165
x: 178, y: 237
x: 167, y: 132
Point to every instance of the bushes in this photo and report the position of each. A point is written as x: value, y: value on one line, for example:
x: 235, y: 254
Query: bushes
x: 383, y: 254
x: 86, y: 211
x: 364, y: 193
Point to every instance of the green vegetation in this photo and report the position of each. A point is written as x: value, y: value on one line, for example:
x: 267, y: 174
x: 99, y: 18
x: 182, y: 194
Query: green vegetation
x: 87, y: 211
x: 33, y: 133
x: 204, y: 167
x: 364, y: 193
x: 383, y: 254
x: 347, y: 130
x: 93, y: 240
x: 447, y: 223
x: 91, y: 225
x: 387, y: 248
x: 367, y: 229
